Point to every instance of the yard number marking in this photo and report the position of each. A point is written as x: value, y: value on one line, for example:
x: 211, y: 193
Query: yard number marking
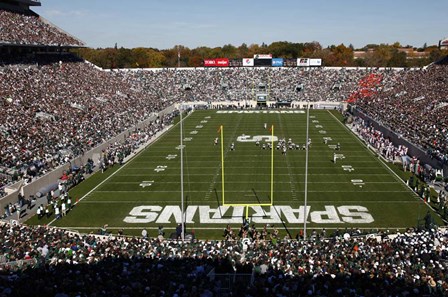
x: 160, y: 168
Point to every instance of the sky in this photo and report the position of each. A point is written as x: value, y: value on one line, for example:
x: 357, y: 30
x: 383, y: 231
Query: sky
x: 163, y: 24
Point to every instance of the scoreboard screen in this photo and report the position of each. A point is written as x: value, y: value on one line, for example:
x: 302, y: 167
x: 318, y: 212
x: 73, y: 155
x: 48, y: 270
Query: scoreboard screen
x: 263, y: 62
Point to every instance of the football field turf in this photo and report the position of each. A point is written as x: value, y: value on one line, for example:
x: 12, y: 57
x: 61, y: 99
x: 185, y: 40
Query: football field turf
x: 356, y: 191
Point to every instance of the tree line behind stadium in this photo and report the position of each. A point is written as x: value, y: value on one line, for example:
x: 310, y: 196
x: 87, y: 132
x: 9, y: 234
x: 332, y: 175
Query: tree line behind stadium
x: 371, y: 55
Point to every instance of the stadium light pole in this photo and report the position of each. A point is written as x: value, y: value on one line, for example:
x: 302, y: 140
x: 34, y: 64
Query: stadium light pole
x: 306, y: 166
x: 182, y: 173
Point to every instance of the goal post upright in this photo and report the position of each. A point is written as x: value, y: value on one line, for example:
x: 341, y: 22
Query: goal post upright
x: 271, y: 182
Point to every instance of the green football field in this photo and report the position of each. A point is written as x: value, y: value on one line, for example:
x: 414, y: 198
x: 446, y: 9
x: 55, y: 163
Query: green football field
x: 356, y: 191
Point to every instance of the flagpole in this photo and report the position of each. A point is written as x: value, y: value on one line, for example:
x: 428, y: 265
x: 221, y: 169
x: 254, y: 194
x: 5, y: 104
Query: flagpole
x: 182, y: 173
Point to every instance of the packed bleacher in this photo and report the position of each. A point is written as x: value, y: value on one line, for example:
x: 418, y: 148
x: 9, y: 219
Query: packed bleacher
x: 29, y: 29
x: 410, y: 264
x: 58, y: 107
x: 415, y: 106
x: 237, y: 84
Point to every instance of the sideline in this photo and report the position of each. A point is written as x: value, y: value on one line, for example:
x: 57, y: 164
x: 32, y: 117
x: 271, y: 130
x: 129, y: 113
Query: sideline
x: 128, y: 159
x: 380, y: 159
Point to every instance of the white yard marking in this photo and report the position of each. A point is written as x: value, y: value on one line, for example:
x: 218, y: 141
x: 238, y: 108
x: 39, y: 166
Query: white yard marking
x: 146, y: 183
x: 160, y: 168
x: 358, y: 182
x: 348, y: 168
x: 171, y: 157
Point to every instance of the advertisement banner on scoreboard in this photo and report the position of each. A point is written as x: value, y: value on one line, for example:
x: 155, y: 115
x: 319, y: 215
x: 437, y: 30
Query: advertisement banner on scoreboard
x: 290, y: 62
x: 209, y: 63
x: 315, y: 62
x: 219, y: 62
x: 263, y: 56
x: 277, y: 62
x: 222, y: 62
x: 303, y: 62
x: 248, y: 62
x: 236, y: 63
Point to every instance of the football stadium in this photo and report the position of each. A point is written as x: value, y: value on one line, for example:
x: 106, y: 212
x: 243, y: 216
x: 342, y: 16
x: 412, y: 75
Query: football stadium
x: 262, y: 175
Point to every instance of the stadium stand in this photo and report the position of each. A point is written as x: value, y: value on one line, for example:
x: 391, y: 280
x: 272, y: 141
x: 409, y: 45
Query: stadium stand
x: 409, y: 264
x: 27, y: 28
x: 416, y: 107
x: 56, y: 106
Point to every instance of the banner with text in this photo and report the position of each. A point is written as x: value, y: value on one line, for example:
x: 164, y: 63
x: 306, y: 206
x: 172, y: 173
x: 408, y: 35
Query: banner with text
x: 262, y: 56
x: 277, y: 62
x: 315, y: 62
x: 219, y: 62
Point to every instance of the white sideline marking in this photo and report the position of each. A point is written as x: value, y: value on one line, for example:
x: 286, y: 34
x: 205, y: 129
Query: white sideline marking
x: 123, y: 166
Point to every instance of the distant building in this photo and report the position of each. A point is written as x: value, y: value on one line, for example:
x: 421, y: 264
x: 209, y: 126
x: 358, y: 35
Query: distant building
x: 410, y: 53
x: 443, y: 44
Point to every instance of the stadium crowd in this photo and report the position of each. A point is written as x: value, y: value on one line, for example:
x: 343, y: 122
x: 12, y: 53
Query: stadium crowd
x: 375, y: 138
x: 59, y: 108
x: 239, y: 84
x: 410, y: 264
x: 80, y: 106
x: 415, y: 106
x: 30, y: 29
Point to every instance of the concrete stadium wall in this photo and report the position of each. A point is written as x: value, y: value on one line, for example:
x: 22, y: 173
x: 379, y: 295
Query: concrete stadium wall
x: 53, y: 176
x: 413, y: 150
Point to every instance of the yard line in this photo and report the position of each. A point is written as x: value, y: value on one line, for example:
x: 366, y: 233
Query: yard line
x: 251, y: 167
x: 277, y: 182
x: 251, y: 174
x: 230, y: 191
x: 189, y: 227
x: 279, y: 202
x: 123, y: 166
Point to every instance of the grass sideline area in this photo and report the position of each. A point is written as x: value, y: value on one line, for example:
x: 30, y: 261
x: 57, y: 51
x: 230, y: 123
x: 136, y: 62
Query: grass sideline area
x: 356, y: 191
